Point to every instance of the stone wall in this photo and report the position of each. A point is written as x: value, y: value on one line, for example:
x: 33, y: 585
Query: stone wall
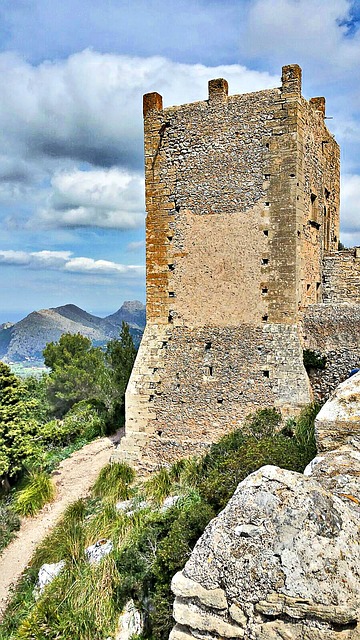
x: 191, y: 385
x: 332, y: 330
x: 341, y: 277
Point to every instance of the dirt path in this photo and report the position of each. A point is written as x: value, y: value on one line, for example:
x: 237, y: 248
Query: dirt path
x: 73, y: 479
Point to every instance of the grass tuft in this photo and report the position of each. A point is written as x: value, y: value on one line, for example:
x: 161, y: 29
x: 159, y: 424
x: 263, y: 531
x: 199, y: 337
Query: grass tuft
x: 38, y: 490
x: 114, y: 482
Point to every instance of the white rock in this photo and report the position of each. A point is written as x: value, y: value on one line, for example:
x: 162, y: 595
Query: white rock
x: 339, y: 418
x: 170, y: 501
x: 47, y: 573
x: 99, y: 550
x: 130, y: 622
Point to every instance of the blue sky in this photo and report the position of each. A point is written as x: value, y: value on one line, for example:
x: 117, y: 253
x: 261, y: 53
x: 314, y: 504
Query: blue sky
x: 72, y: 75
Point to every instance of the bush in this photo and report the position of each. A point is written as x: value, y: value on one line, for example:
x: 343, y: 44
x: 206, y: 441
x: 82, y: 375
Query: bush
x: 313, y: 360
x: 9, y: 523
x: 38, y: 490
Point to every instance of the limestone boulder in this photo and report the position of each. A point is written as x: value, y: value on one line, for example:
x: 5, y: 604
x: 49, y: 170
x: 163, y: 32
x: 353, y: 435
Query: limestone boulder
x: 339, y: 418
x: 280, y: 562
x: 339, y: 472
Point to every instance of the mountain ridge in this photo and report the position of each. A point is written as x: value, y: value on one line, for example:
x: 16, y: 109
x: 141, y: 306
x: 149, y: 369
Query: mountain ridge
x: 24, y: 341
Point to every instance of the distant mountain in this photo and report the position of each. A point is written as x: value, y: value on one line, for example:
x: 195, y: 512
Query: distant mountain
x: 26, y: 339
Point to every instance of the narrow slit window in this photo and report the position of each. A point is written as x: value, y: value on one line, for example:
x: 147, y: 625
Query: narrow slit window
x: 308, y: 287
x: 207, y: 346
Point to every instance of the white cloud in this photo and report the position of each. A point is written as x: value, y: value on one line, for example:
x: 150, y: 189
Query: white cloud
x: 313, y: 32
x: 350, y: 208
x: 63, y: 261
x: 112, y: 198
x: 135, y: 246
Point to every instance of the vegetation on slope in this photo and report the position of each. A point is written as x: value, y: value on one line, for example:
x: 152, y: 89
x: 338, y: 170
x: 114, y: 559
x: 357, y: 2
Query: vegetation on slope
x: 44, y: 420
x: 150, y: 543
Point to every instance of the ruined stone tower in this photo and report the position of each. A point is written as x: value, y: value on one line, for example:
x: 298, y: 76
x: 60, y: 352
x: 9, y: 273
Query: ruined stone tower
x: 242, y: 199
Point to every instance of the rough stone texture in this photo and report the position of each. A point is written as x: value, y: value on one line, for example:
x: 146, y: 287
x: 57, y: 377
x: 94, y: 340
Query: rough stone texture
x: 338, y: 471
x: 332, y: 330
x: 130, y: 622
x: 341, y: 277
x: 285, y: 552
x: 242, y: 199
x: 339, y: 418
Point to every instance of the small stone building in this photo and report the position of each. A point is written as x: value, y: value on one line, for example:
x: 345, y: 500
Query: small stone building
x: 242, y: 230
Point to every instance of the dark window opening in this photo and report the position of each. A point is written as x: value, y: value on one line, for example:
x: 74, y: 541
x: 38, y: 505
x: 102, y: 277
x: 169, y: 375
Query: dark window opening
x: 308, y: 287
x: 267, y: 204
x: 220, y: 400
x: 265, y: 261
x: 325, y: 212
x: 266, y: 373
x: 266, y: 232
x: 292, y: 175
x: 327, y: 194
x: 155, y: 369
x: 208, y: 371
x: 298, y: 234
x: 171, y: 266
x: 207, y: 346
x: 159, y: 433
x: 265, y: 318
x: 164, y: 344
x: 169, y: 238
x: 171, y: 294
x: 318, y: 285
x: 264, y: 290
x: 151, y: 398
x: 266, y: 176
x: 267, y: 145
x: 170, y: 317
x: 177, y: 208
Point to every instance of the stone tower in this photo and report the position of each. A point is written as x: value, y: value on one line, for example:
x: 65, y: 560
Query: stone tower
x: 242, y: 199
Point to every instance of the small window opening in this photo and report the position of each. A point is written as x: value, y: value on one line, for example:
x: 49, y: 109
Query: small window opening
x: 164, y: 344
x: 318, y: 285
x: 267, y: 204
x: 308, y: 287
x: 171, y: 266
x: 177, y: 208
x: 159, y: 432
x: 313, y: 198
x: 171, y: 294
x: 325, y: 212
x: 208, y: 371
x: 155, y: 369
x: 265, y: 318
x: 266, y: 232
x: 170, y: 317
x: 298, y: 234
x: 151, y: 398
x: 327, y: 194
x: 266, y: 373
x: 292, y: 175
x: 265, y: 261
x: 266, y: 176
x: 207, y: 346
x: 267, y: 145
x: 220, y: 400
x: 169, y: 238
x: 264, y: 290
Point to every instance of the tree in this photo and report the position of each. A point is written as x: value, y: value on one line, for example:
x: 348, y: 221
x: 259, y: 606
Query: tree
x: 77, y: 371
x: 18, y: 427
x: 119, y: 356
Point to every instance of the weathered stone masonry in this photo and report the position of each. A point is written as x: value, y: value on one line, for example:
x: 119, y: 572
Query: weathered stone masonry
x: 242, y: 199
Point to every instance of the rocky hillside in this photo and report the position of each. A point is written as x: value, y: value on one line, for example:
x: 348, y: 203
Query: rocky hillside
x: 26, y: 339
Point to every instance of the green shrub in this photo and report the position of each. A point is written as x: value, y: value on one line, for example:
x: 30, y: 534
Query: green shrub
x: 158, y: 487
x: 9, y: 524
x: 39, y: 489
x: 313, y: 360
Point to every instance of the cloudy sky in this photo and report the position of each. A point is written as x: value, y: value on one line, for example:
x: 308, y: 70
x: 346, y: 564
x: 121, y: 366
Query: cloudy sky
x: 72, y: 75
